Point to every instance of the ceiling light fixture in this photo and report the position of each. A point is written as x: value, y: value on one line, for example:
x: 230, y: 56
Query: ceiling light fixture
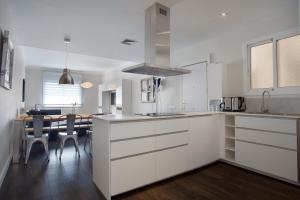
x: 66, y: 78
x: 224, y: 14
x: 87, y: 85
x: 128, y: 42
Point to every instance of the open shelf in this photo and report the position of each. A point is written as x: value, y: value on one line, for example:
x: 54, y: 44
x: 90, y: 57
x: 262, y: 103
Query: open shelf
x: 229, y: 132
x: 229, y: 126
x: 229, y: 138
x: 229, y: 144
x: 229, y: 121
x: 230, y: 155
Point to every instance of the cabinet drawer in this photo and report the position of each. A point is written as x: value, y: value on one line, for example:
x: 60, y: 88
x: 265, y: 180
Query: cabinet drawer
x: 279, y: 162
x: 170, y: 125
x: 125, y: 130
x: 131, y: 173
x: 268, y: 138
x: 268, y: 124
x: 172, y: 140
x: 132, y: 147
x: 171, y: 162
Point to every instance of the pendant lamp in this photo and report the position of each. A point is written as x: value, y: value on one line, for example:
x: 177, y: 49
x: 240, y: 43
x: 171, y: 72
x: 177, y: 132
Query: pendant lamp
x: 66, y: 78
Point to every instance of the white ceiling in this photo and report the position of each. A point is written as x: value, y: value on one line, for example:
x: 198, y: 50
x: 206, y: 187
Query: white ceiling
x: 197, y: 20
x: 98, y: 26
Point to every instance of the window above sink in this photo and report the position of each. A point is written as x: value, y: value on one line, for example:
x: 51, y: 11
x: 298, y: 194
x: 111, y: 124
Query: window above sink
x: 273, y: 63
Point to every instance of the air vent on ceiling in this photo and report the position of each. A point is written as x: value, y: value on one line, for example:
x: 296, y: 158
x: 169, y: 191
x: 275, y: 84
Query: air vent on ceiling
x: 128, y: 42
x: 163, y: 11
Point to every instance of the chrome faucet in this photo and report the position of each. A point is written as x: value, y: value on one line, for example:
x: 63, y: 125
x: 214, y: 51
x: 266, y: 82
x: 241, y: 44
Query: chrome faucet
x: 264, y: 106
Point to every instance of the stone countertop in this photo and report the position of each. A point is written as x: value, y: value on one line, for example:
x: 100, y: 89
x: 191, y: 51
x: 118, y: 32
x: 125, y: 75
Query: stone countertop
x: 115, y: 118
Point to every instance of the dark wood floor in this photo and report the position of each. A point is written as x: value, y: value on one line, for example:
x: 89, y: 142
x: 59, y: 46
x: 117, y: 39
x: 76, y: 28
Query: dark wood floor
x: 71, y: 179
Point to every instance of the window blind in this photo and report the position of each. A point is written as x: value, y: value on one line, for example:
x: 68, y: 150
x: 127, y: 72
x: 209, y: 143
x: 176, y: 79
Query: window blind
x: 55, y: 95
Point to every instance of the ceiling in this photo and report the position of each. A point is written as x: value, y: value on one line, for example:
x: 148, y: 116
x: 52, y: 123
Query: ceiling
x: 193, y: 21
x: 98, y: 26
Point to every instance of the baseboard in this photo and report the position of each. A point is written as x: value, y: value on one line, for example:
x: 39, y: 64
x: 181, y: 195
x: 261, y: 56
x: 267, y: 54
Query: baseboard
x: 5, y: 169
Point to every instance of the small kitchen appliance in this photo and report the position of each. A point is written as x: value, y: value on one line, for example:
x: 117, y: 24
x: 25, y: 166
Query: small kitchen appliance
x: 233, y: 104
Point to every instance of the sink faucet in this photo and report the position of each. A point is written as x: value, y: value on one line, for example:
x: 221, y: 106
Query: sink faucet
x: 264, y: 106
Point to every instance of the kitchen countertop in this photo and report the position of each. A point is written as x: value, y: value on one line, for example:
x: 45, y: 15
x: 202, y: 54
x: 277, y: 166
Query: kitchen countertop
x: 114, y: 118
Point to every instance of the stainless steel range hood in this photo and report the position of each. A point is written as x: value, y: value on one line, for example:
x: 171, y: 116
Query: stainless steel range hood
x: 157, y: 45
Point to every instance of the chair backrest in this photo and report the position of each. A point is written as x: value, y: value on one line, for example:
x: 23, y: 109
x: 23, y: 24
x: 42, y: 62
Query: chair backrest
x: 38, y: 124
x: 70, y: 123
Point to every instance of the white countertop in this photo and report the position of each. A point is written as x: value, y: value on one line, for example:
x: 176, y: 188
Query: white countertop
x: 113, y: 118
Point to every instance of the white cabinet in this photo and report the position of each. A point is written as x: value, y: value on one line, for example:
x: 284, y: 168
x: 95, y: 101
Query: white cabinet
x: 133, y: 172
x: 268, y: 123
x: 215, y: 81
x: 204, y: 141
x: 275, y: 139
x: 171, y: 162
x: 268, y: 145
x: 275, y: 161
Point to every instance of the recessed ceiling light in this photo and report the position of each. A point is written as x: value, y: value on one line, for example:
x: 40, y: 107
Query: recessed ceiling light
x: 128, y: 42
x: 224, y: 14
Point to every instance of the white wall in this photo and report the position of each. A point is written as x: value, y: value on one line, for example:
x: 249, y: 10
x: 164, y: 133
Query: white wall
x: 34, y: 90
x: 227, y: 46
x: 10, y: 99
x: 169, y: 94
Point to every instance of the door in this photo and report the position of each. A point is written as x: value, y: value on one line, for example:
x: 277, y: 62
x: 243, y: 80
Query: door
x: 194, y: 89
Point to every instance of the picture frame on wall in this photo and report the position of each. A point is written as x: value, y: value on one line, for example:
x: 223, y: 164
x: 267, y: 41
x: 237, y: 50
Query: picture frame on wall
x: 6, y: 64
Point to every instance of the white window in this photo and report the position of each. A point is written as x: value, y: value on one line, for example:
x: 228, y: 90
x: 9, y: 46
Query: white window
x: 274, y: 63
x: 55, y: 95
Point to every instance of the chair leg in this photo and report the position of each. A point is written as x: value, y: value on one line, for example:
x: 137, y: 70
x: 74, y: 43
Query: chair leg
x: 85, y: 140
x: 28, y: 149
x: 77, y: 146
x: 24, y: 148
x: 57, y: 144
x: 46, y: 148
x: 91, y: 144
x: 62, y: 144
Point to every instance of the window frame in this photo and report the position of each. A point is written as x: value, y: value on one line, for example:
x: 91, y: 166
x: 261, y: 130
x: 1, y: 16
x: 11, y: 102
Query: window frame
x: 276, y: 90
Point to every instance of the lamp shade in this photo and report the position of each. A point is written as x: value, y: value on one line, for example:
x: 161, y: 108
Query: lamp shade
x: 66, y: 78
x: 87, y: 85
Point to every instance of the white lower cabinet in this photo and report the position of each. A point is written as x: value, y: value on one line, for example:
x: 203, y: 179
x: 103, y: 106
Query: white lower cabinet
x: 132, y: 172
x: 272, y: 160
x: 171, y: 162
x: 204, y: 145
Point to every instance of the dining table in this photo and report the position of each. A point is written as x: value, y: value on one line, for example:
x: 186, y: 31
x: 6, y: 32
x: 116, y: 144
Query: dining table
x: 20, y: 130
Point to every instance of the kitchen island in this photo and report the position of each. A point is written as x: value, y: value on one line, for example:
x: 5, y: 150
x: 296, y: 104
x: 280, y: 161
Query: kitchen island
x: 131, y: 151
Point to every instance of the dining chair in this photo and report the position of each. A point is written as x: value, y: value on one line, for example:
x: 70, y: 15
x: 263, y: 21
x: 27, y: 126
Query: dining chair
x: 35, y: 134
x: 69, y: 132
x: 89, y: 134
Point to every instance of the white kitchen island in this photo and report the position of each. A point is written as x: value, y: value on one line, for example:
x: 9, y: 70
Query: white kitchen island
x: 132, y: 151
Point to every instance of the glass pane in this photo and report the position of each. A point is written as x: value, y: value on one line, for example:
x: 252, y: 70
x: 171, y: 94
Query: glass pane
x: 288, y: 58
x: 262, y: 66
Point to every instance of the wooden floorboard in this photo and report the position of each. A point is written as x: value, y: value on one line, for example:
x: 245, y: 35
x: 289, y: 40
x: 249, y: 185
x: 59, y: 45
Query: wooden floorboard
x: 71, y: 179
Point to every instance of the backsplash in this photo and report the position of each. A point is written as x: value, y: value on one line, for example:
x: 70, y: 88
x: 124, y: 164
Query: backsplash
x: 276, y: 105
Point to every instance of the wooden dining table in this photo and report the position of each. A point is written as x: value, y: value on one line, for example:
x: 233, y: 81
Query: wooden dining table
x: 19, y: 130
x: 53, y: 118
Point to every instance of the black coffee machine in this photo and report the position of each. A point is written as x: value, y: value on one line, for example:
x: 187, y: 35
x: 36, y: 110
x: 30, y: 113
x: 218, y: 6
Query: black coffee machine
x: 233, y: 104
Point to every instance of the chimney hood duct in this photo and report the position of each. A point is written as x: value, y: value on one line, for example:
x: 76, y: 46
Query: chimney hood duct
x: 157, y: 45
